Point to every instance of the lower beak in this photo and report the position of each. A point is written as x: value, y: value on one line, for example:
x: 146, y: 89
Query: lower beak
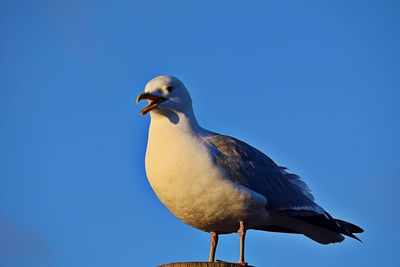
x: 154, y: 101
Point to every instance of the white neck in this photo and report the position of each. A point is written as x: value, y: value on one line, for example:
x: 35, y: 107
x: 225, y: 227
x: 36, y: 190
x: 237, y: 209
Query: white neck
x: 184, y: 121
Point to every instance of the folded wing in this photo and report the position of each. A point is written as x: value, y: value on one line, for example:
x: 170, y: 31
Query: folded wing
x: 289, y: 198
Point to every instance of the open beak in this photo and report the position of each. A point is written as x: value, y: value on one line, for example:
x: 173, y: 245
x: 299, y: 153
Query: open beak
x: 154, y: 101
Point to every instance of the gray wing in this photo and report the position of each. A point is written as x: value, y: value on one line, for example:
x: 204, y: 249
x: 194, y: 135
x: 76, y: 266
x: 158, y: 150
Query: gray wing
x: 253, y: 169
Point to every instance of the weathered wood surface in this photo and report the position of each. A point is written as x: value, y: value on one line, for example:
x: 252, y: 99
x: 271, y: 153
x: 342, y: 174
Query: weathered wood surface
x: 204, y: 264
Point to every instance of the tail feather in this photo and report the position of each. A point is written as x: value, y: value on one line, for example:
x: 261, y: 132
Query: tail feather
x: 281, y: 222
x: 325, y: 221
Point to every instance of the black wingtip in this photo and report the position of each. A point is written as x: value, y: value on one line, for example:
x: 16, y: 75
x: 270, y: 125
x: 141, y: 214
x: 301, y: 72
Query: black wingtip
x: 353, y: 236
x: 349, y: 229
x: 352, y: 228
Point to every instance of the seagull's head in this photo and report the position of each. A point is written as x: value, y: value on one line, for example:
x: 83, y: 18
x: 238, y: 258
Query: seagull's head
x: 165, y: 93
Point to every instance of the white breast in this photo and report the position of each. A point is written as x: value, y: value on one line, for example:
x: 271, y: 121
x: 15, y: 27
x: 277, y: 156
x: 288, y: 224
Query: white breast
x: 183, y: 175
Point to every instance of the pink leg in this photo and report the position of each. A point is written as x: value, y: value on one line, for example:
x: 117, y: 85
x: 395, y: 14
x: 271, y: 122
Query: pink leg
x: 214, y: 243
x: 242, y: 235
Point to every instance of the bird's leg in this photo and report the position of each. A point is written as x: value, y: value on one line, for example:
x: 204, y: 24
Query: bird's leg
x: 214, y: 243
x: 242, y: 235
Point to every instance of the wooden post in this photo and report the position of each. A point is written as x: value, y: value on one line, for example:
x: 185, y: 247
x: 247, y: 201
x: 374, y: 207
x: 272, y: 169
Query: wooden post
x: 204, y: 264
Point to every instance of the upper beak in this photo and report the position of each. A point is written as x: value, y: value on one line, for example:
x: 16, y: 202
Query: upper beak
x: 154, y: 101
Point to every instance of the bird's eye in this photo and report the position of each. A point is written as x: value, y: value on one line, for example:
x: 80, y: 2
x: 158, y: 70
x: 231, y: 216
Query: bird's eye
x: 170, y: 88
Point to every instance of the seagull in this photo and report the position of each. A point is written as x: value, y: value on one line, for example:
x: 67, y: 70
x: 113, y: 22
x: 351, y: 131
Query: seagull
x: 219, y: 184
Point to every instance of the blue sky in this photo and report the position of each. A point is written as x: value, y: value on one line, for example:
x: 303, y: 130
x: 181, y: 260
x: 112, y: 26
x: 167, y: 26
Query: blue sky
x: 313, y: 84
